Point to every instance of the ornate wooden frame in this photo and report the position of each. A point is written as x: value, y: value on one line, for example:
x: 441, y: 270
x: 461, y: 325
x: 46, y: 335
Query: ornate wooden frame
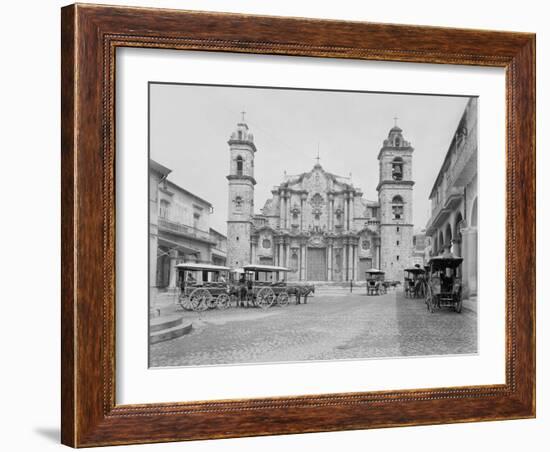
x: 90, y: 35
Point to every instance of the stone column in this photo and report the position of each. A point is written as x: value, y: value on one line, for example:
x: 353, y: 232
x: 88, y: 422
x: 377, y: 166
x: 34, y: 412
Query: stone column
x: 302, y: 262
x: 173, y: 274
x: 283, y: 210
x: 469, y: 265
x: 350, y: 262
x: 351, y: 210
x: 344, y: 261
x: 288, y: 216
x: 345, y: 225
x: 330, y: 212
x: 299, y: 262
x: 305, y: 261
x: 301, y: 213
x: 354, y: 263
x: 329, y: 261
x: 280, y: 256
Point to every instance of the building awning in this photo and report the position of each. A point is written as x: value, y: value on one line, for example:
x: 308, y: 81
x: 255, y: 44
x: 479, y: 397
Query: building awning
x: 177, y: 246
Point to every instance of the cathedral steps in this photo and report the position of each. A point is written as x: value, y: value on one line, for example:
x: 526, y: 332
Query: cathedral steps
x: 337, y: 289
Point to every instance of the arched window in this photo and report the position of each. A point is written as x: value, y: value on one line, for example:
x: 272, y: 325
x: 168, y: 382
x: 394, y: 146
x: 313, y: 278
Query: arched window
x: 397, y: 207
x: 397, y: 168
x: 239, y: 166
x: 238, y: 202
x: 397, y: 199
x: 397, y: 142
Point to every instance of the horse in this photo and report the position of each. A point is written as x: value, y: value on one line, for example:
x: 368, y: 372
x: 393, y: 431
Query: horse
x: 301, y: 291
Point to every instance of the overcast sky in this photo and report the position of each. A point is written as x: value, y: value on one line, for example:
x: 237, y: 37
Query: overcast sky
x: 190, y: 126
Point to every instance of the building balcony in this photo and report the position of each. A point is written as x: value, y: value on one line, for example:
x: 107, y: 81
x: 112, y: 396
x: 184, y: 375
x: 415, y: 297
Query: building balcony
x: 464, y: 163
x: 183, y: 230
x: 219, y: 252
x: 451, y: 199
x: 462, y: 169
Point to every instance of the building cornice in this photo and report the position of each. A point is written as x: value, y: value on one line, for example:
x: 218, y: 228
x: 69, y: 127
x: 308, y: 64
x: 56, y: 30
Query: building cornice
x: 408, y: 149
x: 250, y: 144
x: 235, y: 177
x: 408, y: 183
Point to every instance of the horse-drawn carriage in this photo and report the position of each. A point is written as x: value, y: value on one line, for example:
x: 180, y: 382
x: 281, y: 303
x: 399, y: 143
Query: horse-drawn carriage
x: 375, y: 282
x: 443, y: 285
x: 202, y: 286
x: 414, y: 284
x: 265, y: 285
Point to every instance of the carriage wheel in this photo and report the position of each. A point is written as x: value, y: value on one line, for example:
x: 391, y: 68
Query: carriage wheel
x: 200, y: 299
x: 282, y: 299
x: 223, y: 301
x: 265, y: 297
x: 185, y: 302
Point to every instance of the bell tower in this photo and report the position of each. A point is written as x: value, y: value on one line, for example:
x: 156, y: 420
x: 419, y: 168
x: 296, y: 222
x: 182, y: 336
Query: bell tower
x: 395, y: 190
x: 240, y: 194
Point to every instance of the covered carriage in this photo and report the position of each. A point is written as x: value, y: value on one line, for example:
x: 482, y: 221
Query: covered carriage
x: 443, y: 283
x: 266, y: 285
x: 202, y: 286
x: 375, y: 282
x: 414, y: 283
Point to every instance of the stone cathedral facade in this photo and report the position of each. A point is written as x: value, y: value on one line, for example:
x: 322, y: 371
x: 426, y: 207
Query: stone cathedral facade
x: 319, y: 224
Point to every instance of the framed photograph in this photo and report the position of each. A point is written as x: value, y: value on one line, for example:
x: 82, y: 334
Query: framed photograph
x: 281, y: 225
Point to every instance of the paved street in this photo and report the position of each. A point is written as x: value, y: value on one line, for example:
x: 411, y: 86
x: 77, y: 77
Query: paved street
x: 327, y: 328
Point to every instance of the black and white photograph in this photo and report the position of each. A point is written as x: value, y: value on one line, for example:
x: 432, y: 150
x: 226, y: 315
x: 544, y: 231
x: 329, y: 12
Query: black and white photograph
x: 291, y: 225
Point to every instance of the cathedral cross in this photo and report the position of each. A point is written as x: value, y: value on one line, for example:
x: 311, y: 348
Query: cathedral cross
x: 317, y: 158
x: 395, y: 121
x: 243, y: 113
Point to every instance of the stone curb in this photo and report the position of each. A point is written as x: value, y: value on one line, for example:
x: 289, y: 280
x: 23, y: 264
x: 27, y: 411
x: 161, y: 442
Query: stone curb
x: 172, y: 330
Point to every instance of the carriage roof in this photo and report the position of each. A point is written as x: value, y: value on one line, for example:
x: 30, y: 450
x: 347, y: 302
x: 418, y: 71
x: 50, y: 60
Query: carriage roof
x: 207, y: 267
x: 374, y: 271
x: 265, y: 268
x: 239, y: 270
x: 445, y: 261
x: 415, y: 270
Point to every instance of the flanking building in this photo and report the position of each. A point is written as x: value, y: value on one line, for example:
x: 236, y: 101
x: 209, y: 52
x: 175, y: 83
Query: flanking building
x: 454, y: 221
x: 179, y: 229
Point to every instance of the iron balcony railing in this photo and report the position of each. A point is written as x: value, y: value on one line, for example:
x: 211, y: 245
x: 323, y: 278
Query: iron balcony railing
x: 183, y: 229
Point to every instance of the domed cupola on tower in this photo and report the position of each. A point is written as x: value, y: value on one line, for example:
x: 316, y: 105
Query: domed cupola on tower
x: 242, y: 134
x: 395, y: 138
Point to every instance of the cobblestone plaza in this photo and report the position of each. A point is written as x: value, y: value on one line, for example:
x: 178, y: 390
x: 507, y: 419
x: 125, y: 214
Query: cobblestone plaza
x: 327, y: 328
